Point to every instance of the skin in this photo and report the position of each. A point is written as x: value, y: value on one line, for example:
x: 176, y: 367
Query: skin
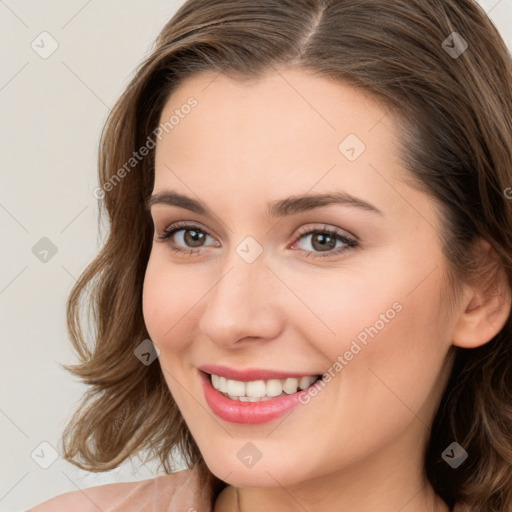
x: 357, y: 445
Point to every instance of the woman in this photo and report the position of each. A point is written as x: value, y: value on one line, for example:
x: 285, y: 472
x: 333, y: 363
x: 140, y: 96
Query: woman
x: 306, y: 286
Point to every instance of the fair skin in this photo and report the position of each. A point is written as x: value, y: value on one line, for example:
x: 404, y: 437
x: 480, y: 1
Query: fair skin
x: 357, y: 445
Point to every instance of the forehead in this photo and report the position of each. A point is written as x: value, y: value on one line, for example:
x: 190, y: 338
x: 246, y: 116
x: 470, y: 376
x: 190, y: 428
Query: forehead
x: 302, y: 103
x: 285, y: 132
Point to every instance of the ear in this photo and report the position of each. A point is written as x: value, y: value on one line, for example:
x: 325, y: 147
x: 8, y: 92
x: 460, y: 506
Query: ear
x: 487, y: 302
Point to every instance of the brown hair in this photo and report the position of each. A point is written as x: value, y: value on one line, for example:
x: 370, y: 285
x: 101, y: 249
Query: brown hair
x: 455, y: 116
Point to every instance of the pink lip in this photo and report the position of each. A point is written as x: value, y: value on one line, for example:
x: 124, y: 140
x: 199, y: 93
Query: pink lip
x: 247, y: 375
x: 249, y: 413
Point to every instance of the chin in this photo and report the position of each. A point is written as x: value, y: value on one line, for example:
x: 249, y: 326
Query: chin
x: 261, y: 474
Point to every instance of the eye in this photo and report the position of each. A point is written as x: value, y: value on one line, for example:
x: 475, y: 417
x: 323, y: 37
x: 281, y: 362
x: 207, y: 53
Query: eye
x: 191, y: 237
x: 324, y: 241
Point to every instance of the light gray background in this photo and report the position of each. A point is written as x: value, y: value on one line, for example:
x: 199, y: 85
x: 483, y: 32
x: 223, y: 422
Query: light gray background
x: 52, y: 112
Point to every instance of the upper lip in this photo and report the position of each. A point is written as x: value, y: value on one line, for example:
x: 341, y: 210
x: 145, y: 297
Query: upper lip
x: 251, y: 374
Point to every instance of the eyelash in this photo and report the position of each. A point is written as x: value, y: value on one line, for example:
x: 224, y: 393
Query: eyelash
x: 185, y: 226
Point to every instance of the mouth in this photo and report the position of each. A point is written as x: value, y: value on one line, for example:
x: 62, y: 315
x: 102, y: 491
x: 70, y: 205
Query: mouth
x: 254, y: 401
x: 260, y: 390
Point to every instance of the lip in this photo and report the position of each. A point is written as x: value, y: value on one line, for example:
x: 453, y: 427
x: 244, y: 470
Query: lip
x: 251, y: 374
x: 249, y: 413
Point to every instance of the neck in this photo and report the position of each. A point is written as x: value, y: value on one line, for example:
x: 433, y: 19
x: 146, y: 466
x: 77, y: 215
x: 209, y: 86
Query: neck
x: 248, y: 500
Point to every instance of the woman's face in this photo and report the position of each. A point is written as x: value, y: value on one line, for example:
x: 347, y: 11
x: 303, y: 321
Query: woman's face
x: 260, y: 285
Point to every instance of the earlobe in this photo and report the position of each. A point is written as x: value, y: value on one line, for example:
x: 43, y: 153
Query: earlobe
x: 486, y: 306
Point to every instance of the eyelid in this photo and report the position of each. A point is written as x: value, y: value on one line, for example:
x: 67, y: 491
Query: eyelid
x: 182, y: 225
x: 326, y: 228
x: 350, y: 241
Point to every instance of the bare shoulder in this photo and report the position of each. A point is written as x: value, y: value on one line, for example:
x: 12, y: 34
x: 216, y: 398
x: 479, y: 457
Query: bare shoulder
x: 92, y: 499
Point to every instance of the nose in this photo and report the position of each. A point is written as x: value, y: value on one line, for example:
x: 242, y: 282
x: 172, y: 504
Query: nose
x: 243, y: 303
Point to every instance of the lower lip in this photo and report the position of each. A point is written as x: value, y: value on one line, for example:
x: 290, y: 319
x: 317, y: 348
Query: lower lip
x: 247, y: 412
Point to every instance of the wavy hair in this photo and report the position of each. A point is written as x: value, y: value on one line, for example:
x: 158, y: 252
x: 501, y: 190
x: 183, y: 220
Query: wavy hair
x: 455, y: 113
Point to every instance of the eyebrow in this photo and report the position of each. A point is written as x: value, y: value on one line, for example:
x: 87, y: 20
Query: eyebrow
x: 280, y: 208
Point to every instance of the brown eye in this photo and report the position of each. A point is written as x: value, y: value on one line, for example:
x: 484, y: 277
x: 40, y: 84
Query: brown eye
x: 185, y: 237
x: 325, y: 242
x: 193, y: 237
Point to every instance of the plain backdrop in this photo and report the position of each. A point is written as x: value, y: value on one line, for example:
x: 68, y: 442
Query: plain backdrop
x: 63, y: 66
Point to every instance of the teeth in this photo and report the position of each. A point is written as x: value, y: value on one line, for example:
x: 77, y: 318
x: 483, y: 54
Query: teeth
x: 223, y: 384
x: 291, y: 386
x: 260, y: 390
x: 255, y: 388
x: 235, y: 388
x: 274, y: 387
x: 305, y: 382
x: 248, y: 399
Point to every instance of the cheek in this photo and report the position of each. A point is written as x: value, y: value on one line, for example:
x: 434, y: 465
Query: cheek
x: 168, y: 298
x: 392, y: 355
x: 392, y: 306
x: 383, y: 327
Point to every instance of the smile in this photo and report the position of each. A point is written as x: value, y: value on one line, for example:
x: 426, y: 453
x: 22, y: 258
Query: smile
x: 260, y: 390
x: 253, y: 401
